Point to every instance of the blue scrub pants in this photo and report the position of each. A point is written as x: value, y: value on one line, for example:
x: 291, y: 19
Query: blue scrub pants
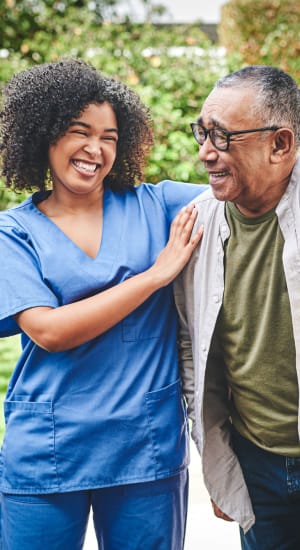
x: 273, y: 483
x: 142, y: 516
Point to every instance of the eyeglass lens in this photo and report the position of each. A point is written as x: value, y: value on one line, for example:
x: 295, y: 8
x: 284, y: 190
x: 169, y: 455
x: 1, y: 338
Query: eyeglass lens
x: 217, y: 136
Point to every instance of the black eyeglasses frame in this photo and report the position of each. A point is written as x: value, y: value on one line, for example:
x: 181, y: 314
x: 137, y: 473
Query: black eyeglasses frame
x: 210, y: 132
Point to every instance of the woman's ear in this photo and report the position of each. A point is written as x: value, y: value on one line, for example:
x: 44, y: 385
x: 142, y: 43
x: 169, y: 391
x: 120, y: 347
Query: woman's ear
x: 283, y: 145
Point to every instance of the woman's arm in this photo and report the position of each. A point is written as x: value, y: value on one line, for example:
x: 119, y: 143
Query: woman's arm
x: 68, y: 326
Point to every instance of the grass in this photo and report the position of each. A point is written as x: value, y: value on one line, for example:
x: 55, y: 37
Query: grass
x: 9, y: 353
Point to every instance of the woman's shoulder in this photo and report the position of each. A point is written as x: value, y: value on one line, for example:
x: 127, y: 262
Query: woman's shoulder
x: 169, y: 194
x: 170, y: 190
x: 16, y: 217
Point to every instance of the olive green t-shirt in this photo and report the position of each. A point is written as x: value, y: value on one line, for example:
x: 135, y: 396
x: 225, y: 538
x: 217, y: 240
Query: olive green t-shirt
x: 256, y: 335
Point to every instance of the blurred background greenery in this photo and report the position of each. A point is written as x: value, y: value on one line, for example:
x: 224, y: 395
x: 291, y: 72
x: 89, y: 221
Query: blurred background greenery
x: 172, y: 67
x: 9, y: 351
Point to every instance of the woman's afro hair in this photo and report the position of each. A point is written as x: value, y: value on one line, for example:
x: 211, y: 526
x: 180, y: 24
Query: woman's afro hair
x: 38, y: 106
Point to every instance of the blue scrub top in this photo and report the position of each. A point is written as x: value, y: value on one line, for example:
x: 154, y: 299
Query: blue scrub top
x: 110, y: 411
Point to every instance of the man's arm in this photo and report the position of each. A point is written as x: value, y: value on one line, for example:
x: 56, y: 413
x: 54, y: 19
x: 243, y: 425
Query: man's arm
x: 185, y: 346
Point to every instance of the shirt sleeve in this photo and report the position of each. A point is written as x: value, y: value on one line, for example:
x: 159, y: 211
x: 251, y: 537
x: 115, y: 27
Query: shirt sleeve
x: 177, y: 194
x: 21, y: 281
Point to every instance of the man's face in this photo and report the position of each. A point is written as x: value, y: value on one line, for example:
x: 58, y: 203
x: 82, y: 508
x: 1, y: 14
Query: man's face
x: 243, y: 173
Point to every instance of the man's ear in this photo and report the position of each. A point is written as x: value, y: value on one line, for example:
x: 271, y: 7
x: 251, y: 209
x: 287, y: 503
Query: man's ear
x: 283, y: 144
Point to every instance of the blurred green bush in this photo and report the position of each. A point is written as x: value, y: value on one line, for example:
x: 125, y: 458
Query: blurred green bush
x: 9, y: 352
x: 172, y: 67
x: 263, y: 31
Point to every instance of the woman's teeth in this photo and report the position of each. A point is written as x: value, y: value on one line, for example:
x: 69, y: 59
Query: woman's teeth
x: 87, y: 167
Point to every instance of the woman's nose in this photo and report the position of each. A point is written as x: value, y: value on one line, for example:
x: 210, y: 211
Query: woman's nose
x: 93, y: 147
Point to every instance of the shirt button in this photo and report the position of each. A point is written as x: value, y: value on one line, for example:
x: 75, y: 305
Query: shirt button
x: 216, y: 298
x: 203, y: 347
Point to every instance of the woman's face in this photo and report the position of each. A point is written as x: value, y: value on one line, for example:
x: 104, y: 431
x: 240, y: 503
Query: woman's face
x: 81, y: 159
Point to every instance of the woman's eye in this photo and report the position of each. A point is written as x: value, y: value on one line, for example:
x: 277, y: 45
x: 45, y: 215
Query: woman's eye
x: 110, y: 138
x: 80, y: 132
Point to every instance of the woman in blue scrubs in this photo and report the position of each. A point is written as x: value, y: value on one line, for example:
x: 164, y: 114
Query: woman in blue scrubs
x: 94, y: 411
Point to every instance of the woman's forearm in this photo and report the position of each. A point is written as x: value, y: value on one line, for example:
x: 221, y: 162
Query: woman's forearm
x: 73, y: 324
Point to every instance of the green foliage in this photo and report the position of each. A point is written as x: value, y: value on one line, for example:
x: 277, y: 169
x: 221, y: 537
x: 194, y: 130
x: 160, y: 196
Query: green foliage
x: 172, y: 67
x: 9, y: 352
x: 263, y: 31
x: 9, y: 198
x: 22, y: 20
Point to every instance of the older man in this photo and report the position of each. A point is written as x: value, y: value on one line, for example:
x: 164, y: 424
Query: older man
x: 239, y: 304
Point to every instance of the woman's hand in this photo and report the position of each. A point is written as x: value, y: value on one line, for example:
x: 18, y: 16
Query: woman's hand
x: 179, y: 248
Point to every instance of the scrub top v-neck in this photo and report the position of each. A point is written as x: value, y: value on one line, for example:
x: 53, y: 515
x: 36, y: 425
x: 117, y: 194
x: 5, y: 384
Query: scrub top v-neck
x: 109, y: 243
x: 110, y: 411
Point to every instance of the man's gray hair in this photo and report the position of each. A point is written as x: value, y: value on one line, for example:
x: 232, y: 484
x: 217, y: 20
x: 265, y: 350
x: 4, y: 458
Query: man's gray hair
x: 277, y: 95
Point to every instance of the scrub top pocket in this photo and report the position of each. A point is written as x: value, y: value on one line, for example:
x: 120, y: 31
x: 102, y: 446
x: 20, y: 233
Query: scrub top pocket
x: 28, y: 452
x: 150, y: 320
x: 141, y: 325
x: 168, y: 422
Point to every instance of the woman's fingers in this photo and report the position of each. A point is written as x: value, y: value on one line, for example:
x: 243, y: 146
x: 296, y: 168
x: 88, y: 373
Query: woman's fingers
x: 182, y: 227
x: 180, y: 246
x: 183, y: 223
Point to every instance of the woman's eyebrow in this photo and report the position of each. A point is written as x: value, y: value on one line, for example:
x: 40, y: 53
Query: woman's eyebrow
x: 79, y: 123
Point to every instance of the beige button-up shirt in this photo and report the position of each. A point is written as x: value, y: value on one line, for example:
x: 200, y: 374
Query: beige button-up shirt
x: 198, y: 293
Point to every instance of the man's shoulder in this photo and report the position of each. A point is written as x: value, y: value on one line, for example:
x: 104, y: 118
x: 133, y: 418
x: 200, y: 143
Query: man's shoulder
x: 207, y: 201
x: 205, y: 196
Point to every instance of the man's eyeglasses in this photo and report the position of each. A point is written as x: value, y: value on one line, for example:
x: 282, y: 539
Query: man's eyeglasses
x: 221, y: 138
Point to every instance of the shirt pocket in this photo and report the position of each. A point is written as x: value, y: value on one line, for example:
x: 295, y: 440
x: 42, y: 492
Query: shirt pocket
x: 151, y: 319
x: 167, y: 417
x: 28, y: 451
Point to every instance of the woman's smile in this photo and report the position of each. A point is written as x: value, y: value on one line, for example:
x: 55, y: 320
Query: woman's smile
x: 84, y: 167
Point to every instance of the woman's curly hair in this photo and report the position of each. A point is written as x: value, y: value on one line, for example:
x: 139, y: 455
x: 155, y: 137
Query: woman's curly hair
x: 39, y: 104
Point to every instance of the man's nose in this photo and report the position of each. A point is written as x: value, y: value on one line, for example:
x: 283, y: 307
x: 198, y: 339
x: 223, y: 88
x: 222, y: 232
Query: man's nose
x: 207, y: 151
